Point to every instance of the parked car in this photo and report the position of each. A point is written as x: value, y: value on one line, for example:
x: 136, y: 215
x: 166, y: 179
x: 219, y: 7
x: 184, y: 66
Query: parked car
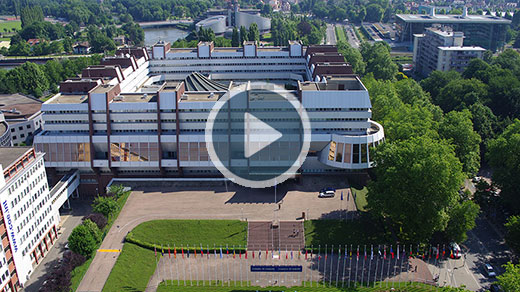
x: 455, y: 251
x: 495, y: 288
x: 489, y: 271
x: 326, y: 194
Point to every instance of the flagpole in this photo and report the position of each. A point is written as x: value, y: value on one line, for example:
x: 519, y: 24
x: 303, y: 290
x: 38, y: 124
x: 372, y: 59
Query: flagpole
x: 395, y: 266
x: 196, y: 266
x: 382, y: 267
x: 222, y: 266
x: 331, y: 262
x: 337, y: 268
x: 344, y: 264
x: 312, y: 246
x: 377, y: 263
x: 319, y: 259
x: 176, y: 265
x: 370, y: 264
x: 287, y: 258
x: 350, y: 266
x: 325, y: 267
x: 357, y: 264
x: 184, y: 264
x: 363, y: 269
x: 388, y: 270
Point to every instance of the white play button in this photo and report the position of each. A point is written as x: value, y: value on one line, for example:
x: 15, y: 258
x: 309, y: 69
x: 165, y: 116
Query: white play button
x: 258, y: 135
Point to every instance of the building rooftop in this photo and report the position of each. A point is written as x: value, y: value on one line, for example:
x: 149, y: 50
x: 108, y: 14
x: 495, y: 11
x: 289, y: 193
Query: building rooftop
x: 135, y: 97
x: 9, y: 155
x: 201, y: 96
x: 334, y: 83
x: 103, y: 88
x: 3, y: 127
x: 18, y: 106
x: 421, y: 18
x: 462, y: 48
x: 198, y: 82
x: 68, y: 98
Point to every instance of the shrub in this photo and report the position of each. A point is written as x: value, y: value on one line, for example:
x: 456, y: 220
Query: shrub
x: 98, y: 218
x: 513, y: 232
x: 72, y: 260
x: 84, y: 239
x: 105, y: 206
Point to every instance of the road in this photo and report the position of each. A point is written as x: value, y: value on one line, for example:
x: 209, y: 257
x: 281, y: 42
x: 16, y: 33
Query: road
x: 483, y: 245
x: 331, y: 34
x: 80, y: 208
x: 351, y: 36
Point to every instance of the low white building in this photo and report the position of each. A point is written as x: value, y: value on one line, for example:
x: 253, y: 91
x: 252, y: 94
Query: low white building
x: 23, y: 115
x: 30, y: 213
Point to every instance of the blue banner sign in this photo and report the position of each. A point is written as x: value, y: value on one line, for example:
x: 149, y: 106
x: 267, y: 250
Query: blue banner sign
x: 276, y: 269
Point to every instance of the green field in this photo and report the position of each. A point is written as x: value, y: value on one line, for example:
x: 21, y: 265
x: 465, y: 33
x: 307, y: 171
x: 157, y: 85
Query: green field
x: 361, y: 197
x: 339, y: 232
x: 133, y: 269
x: 190, y: 233
x: 9, y: 25
x: 173, y: 286
x: 340, y: 34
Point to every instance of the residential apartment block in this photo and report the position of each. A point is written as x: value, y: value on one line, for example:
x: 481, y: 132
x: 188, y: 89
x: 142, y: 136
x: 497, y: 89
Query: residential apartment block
x: 23, y: 115
x: 442, y: 50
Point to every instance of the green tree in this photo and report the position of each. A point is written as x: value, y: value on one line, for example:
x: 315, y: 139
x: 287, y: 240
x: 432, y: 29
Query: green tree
x: 82, y: 241
x: 116, y: 190
x: 510, y: 279
x: 405, y: 171
x: 243, y: 35
x: 503, y: 155
x: 235, y: 38
x: 105, y: 206
x: 513, y: 232
x: 93, y: 229
x: 253, y: 34
x: 378, y: 60
x: 352, y: 56
x: 374, y: 13
x: 437, y: 80
x: 134, y: 32
x: 457, y: 128
x: 28, y: 78
x: 462, y: 219
x: 31, y: 14
x: 484, y: 120
x: 100, y: 43
x: 459, y: 94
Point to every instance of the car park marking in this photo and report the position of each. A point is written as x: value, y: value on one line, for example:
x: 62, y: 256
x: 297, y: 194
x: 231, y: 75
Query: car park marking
x: 109, y: 250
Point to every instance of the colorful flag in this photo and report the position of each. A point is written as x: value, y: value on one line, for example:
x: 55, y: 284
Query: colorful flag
x: 207, y: 251
x: 221, y: 252
x: 174, y: 252
x: 410, y: 251
x: 392, y: 251
x: 351, y: 251
x: 443, y: 251
x: 357, y: 253
x: 306, y: 254
x: 195, y: 252
x: 182, y: 251
x: 201, y: 252
x: 169, y: 254
x: 227, y: 250
x: 339, y: 253
x: 342, y: 195
x: 155, y: 250
x: 384, y: 252
x: 291, y: 255
x: 365, y: 248
x: 233, y: 252
x: 246, y: 254
x: 346, y: 251
x: 371, y: 252
x: 215, y: 251
x: 438, y: 251
x: 286, y: 255
x: 162, y: 251
x: 398, y: 251
x: 188, y: 250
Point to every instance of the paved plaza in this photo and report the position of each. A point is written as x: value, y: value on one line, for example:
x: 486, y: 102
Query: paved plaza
x: 196, y: 201
x: 323, y: 269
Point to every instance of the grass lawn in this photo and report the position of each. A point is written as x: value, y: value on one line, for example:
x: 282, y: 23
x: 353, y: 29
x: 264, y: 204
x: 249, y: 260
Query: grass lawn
x: 133, y: 269
x: 415, y: 287
x: 340, y: 34
x: 78, y: 272
x: 10, y: 25
x: 338, y: 232
x: 191, y: 232
x: 361, y: 197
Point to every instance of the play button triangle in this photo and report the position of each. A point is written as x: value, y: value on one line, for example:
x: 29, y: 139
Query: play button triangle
x: 258, y: 135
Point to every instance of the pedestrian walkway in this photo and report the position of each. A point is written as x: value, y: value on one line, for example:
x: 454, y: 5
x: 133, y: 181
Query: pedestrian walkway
x: 264, y: 235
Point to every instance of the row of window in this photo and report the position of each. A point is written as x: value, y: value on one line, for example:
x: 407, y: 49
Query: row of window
x: 227, y: 57
x: 25, y: 192
x: 18, y: 183
x: 33, y: 227
x: 20, y: 128
x: 226, y: 64
x: 36, y: 239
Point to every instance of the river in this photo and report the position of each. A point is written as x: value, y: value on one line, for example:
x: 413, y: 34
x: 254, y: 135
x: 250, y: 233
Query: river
x: 168, y: 34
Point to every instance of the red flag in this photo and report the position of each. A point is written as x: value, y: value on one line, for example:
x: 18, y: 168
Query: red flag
x: 305, y: 253
x: 266, y: 252
x: 195, y: 252
x: 155, y: 250
x: 253, y: 253
x: 240, y: 255
x: 182, y: 251
x: 286, y: 255
x: 201, y: 252
x: 169, y: 254
x: 384, y: 253
x: 174, y: 252
x: 246, y: 254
